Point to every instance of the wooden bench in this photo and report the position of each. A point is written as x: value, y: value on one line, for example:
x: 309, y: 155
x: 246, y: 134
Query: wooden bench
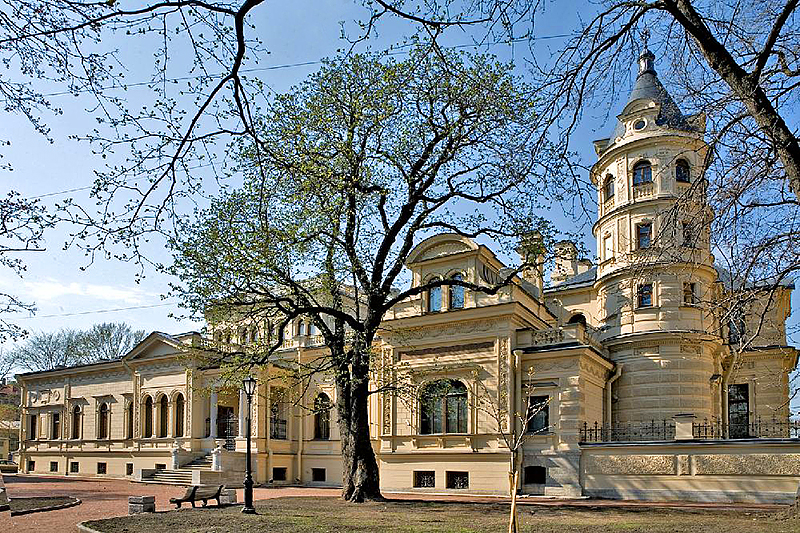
x: 198, y: 493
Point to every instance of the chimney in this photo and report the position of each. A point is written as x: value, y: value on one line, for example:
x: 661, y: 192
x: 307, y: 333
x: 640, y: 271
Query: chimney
x: 532, y: 244
x: 584, y: 265
x: 566, y: 255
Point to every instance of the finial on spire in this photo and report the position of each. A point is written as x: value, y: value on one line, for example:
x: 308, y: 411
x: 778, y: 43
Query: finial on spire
x: 646, y: 58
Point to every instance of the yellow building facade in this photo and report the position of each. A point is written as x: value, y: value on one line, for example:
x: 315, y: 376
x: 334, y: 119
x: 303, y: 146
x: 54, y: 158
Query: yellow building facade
x: 623, y: 375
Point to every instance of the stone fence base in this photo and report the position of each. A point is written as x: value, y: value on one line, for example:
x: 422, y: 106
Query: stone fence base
x: 753, y: 471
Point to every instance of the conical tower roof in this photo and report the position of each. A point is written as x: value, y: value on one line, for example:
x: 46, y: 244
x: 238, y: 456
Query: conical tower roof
x: 649, y: 88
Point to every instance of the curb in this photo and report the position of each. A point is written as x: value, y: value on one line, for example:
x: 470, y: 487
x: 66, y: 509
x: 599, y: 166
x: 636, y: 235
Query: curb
x: 45, y: 509
x: 86, y: 529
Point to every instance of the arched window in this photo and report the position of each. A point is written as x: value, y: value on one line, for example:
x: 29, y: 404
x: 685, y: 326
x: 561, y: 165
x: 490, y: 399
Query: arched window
x: 577, y: 318
x: 301, y: 328
x: 129, y: 421
x: 164, y: 416
x: 608, y: 187
x: 102, y: 422
x: 457, y: 293
x: 435, y: 299
x: 76, y: 422
x: 443, y: 407
x: 322, y: 417
x: 682, y: 171
x: 148, y: 418
x: 642, y: 173
x: 179, y: 412
x: 254, y: 335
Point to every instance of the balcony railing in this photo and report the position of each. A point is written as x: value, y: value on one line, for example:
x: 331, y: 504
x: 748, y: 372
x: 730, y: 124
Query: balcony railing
x: 660, y: 430
x: 653, y: 430
x: 758, y: 428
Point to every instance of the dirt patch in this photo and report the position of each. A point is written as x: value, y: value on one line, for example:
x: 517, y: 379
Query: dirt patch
x: 21, y: 506
x: 301, y: 515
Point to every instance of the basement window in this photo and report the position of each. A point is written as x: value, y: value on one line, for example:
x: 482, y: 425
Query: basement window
x: 318, y: 474
x: 54, y: 466
x: 74, y: 467
x: 279, y: 474
x: 102, y: 468
x: 457, y: 480
x: 535, y: 475
x: 128, y: 469
x: 424, y: 479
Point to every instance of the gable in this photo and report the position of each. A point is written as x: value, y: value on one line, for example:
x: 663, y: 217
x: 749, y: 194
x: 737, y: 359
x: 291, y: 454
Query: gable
x: 155, y: 345
x: 440, y: 246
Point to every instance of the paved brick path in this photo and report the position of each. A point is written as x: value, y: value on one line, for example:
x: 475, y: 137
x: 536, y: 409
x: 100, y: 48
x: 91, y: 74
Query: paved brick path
x: 103, y: 498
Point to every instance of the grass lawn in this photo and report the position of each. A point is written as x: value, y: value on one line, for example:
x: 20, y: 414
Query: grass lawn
x: 298, y: 515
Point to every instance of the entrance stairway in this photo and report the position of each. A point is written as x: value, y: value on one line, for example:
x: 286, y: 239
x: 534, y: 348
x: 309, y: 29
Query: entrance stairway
x: 181, y: 476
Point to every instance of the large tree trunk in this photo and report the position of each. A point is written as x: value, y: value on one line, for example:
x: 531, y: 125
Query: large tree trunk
x: 360, y: 477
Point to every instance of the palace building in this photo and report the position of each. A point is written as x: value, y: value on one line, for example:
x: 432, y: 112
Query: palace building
x: 633, y: 369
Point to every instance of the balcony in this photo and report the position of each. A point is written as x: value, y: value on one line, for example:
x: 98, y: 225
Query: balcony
x: 567, y: 334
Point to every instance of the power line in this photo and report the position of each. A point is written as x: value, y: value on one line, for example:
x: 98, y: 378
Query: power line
x: 298, y: 64
x: 96, y: 312
x: 263, y: 69
x: 87, y: 187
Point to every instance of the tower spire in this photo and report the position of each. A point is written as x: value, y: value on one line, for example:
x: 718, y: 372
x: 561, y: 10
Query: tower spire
x: 646, y: 58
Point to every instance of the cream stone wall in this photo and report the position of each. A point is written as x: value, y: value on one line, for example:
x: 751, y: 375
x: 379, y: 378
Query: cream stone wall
x: 763, y: 472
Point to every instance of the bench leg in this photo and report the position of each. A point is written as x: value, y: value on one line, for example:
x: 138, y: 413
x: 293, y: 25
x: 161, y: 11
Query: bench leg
x: 193, y: 504
x: 205, y: 503
x: 177, y: 505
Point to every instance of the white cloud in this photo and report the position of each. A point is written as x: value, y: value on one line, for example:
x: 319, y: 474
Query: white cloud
x: 52, y: 289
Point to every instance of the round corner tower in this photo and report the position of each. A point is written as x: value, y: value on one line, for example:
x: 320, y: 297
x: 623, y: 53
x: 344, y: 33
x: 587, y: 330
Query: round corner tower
x: 655, y: 270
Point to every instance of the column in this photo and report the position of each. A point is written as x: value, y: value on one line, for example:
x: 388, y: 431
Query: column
x: 213, y: 414
x: 242, y: 412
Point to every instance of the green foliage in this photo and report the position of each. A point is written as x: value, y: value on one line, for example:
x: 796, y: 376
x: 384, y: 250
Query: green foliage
x: 351, y: 169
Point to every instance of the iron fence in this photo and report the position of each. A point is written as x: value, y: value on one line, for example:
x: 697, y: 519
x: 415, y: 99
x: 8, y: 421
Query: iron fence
x: 758, y: 428
x: 652, y: 430
x: 277, y: 428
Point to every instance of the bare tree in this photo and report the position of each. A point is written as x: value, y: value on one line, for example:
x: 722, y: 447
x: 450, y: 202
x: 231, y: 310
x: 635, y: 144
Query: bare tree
x: 22, y: 225
x: 67, y: 347
x: 108, y: 340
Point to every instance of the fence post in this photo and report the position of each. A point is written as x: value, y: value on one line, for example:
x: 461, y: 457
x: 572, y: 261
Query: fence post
x: 683, y: 426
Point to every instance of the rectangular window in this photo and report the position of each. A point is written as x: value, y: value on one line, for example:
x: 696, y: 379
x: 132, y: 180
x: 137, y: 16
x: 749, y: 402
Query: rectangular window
x: 33, y: 421
x: 101, y: 468
x: 74, y: 467
x: 161, y: 466
x: 54, y: 466
x: 277, y: 419
x: 128, y: 469
x: 736, y: 329
x: 538, y: 414
x: 645, y: 295
x: 689, y: 297
x: 608, y: 247
x: 55, y: 426
x: 457, y: 480
x: 318, y: 474
x: 739, y: 411
x: 31, y: 466
x: 643, y: 235
x: 279, y: 473
x: 687, y: 234
x: 535, y: 475
x: 424, y: 479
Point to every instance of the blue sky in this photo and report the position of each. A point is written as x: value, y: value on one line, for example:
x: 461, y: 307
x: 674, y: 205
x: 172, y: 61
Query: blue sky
x: 298, y: 34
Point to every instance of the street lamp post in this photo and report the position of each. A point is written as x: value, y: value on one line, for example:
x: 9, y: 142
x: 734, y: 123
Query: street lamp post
x: 249, y: 385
